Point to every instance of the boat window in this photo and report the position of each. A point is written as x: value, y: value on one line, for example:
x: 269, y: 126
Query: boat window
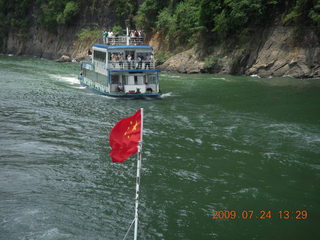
x: 131, y: 53
x: 115, y: 79
x: 99, y: 56
x: 115, y: 56
x: 152, y: 79
x: 124, y: 79
x: 91, y: 75
x: 102, y: 79
x: 144, y: 55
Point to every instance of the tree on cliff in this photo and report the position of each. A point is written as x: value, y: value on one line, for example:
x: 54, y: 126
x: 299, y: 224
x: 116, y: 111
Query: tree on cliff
x: 180, y: 21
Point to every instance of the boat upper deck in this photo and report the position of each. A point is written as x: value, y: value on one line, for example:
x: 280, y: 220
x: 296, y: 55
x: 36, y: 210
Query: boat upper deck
x: 123, y: 57
x: 123, y: 40
x: 124, y: 47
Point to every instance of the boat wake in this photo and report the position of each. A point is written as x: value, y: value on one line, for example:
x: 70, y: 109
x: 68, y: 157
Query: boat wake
x: 165, y: 95
x: 71, y: 80
x: 80, y: 87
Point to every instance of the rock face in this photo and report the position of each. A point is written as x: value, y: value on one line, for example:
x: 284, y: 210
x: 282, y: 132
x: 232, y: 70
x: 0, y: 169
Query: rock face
x: 42, y: 44
x: 280, y: 55
x: 64, y: 58
x: 185, y: 62
x: 48, y: 45
x: 274, y: 52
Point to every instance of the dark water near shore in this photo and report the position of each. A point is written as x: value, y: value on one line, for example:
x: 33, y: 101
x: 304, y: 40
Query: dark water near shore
x: 212, y: 143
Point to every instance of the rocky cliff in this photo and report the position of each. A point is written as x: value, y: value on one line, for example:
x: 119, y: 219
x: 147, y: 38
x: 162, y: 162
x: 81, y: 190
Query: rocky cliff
x: 276, y: 51
x: 48, y: 45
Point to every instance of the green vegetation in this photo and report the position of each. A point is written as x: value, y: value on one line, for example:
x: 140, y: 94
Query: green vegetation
x: 210, y: 62
x: 86, y: 35
x: 182, y: 23
x: 162, y: 56
x: 185, y: 20
x: 125, y: 11
x: 54, y: 12
x: 15, y: 15
x: 117, y: 30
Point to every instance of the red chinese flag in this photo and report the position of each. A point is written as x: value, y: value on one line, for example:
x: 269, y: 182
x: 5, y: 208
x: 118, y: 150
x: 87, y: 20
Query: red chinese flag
x: 125, y: 137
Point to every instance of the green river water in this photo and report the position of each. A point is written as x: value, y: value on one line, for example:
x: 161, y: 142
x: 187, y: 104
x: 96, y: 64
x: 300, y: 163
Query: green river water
x: 212, y: 143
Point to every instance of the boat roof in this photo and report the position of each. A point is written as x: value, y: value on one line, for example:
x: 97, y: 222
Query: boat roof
x: 122, y: 46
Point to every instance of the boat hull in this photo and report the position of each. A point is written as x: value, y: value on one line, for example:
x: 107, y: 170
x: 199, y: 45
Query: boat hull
x: 124, y: 95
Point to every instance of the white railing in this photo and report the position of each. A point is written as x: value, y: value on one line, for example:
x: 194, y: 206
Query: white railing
x: 136, y: 41
x: 123, y: 40
x: 131, y: 65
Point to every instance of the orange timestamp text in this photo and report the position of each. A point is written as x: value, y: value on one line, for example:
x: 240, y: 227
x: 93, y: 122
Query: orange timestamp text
x: 260, y: 214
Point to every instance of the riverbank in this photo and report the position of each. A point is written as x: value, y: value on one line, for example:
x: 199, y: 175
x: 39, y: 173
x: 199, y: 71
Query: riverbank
x: 271, y: 52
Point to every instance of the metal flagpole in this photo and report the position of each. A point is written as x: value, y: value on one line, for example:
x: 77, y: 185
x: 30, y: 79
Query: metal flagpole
x: 139, y: 158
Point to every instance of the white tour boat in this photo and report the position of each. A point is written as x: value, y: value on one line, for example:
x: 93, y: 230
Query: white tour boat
x: 122, y: 67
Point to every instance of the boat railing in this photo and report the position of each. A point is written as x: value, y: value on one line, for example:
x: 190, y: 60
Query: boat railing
x: 136, y: 41
x: 143, y: 65
x: 124, y: 40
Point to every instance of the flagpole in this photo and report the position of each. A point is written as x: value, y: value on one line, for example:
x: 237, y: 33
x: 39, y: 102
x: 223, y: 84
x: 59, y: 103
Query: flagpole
x: 139, y: 158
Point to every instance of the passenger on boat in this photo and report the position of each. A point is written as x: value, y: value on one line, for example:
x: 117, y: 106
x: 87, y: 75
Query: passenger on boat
x: 89, y: 53
x: 129, y: 59
x: 110, y: 37
x: 121, y: 60
x: 113, y: 60
x: 141, y: 34
x: 148, y: 59
x: 110, y: 34
x: 139, y: 62
x: 120, y: 88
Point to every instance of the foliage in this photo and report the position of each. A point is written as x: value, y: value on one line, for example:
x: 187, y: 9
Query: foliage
x: 161, y: 57
x: 54, y: 12
x: 86, y: 35
x: 125, y: 11
x: 117, y: 30
x: 314, y: 13
x: 180, y: 24
x: 147, y: 14
x: 304, y: 12
x: 210, y: 62
x: 14, y: 15
x: 180, y: 21
x: 70, y: 10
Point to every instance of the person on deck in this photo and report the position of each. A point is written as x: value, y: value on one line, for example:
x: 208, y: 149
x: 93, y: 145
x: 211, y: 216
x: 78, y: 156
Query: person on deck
x: 148, y: 59
x: 121, y: 60
x: 110, y: 37
x: 129, y: 59
x: 114, y: 60
x: 139, y: 62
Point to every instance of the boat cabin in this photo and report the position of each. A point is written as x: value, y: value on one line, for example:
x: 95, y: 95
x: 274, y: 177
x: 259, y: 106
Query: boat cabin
x: 123, y: 69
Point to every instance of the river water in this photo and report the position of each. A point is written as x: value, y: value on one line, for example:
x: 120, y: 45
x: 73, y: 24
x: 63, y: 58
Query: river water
x: 213, y: 143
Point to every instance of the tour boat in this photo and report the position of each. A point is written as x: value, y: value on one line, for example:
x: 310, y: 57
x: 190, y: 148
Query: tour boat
x: 122, y: 67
